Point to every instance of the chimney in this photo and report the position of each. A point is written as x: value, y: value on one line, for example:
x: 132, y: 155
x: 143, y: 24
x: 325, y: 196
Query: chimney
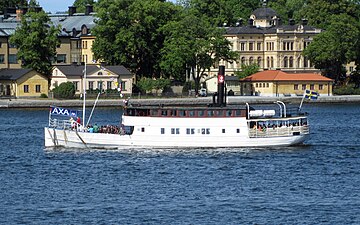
x: 239, y: 23
x: 37, y: 9
x: 72, y: 10
x: 20, y: 12
x: 251, y: 22
x: 88, y: 9
x: 291, y: 22
x: 304, y: 22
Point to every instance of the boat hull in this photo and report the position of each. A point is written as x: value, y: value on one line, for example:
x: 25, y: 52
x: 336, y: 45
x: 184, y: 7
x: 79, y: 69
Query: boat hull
x: 69, y: 138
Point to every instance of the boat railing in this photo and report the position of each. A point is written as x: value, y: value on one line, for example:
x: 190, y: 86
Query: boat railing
x: 278, y: 131
x: 64, y: 124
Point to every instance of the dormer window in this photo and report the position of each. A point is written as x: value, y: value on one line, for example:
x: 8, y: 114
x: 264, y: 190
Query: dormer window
x: 84, y: 30
x: 100, y: 73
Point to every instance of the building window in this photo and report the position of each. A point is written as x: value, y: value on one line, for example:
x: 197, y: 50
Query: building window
x: 26, y: 88
x: 91, y: 85
x: 61, y: 58
x: 296, y: 87
x: 38, y: 88
x: 242, y: 46
x: 259, y: 46
x: 312, y: 86
x: 321, y: 87
x: 259, y: 61
x: 251, y: 46
x: 12, y: 45
x: 109, y: 85
x: 84, y: 44
x: 2, y: 58
x: 122, y: 85
x: 243, y: 60
x: 251, y: 60
x: 272, y: 62
x: 291, y: 62
x: 303, y: 87
x: 76, y: 85
x: 285, y: 61
x: 13, y: 59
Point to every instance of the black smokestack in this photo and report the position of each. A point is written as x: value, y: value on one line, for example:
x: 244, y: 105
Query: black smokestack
x: 221, y: 86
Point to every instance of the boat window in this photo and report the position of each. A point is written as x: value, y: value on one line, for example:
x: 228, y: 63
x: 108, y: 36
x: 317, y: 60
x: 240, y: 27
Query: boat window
x: 162, y: 130
x: 154, y: 112
x: 164, y: 112
x: 191, y: 113
x: 128, y: 129
x: 182, y: 113
x: 238, y: 130
x: 210, y: 113
x: 205, y: 130
x: 192, y: 131
x: 201, y: 113
x: 143, y: 129
x: 175, y: 130
x: 228, y: 113
x: 223, y: 131
x: 187, y: 130
x: 172, y: 130
x: 238, y: 112
x: 173, y: 113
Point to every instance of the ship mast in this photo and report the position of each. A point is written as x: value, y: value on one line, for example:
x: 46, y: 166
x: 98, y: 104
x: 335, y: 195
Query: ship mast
x: 84, y: 95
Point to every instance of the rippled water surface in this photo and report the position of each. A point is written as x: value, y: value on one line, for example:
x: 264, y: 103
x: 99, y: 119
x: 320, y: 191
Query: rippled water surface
x: 316, y: 183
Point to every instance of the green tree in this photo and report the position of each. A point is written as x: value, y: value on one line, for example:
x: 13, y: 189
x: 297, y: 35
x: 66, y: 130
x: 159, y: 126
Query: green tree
x: 36, y: 40
x: 11, y: 4
x: 145, y: 84
x: 319, y: 12
x: 64, y: 90
x: 128, y: 32
x: 335, y: 47
x: 192, y: 42
x: 81, y: 4
x: 247, y: 70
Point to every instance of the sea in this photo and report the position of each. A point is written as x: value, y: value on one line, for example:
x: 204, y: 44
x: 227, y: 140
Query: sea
x: 314, y: 183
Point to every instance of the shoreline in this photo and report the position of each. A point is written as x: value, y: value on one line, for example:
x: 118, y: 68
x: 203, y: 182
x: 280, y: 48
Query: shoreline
x: 232, y: 100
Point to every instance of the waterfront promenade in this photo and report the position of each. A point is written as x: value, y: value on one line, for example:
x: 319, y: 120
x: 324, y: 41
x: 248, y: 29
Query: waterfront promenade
x: 44, y: 103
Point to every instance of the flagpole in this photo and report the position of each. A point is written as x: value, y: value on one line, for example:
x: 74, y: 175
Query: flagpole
x: 84, y: 94
x: 302, y: 100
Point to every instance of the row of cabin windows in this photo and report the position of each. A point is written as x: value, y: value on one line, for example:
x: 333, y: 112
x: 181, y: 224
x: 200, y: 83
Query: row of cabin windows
x: 312, y: 87
x: 185, y: 113
x: 37, y: 88
x: 190, y: 131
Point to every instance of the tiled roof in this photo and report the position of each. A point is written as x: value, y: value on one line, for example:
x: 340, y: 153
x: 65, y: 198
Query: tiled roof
x: 78, y: 70
x: 278, y: 75
x: 12, y: 74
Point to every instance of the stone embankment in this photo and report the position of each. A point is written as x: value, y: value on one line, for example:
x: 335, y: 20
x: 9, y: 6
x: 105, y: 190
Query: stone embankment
x: 45, y: 103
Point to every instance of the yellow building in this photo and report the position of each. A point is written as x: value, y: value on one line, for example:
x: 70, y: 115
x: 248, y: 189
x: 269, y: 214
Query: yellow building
x: 97, y: 77
x: 278, y: 83
x: 22, y: 83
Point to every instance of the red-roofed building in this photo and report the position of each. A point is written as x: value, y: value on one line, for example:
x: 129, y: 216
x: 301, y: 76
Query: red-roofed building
x: 279, y: 83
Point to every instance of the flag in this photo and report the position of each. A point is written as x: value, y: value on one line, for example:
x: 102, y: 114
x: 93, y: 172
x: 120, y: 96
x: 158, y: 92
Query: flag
x: 63, y: 112
x: 311, y: 95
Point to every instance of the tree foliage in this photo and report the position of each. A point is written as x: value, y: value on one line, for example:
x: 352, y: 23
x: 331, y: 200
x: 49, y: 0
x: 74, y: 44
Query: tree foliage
x: 193, y: 42
x: 64, y: 90
x: 36, y: 40
x: 334, y: 47
x: 148, y: 84
x: 247, y: 70
x: 129, y: 33
x: 81, y: 4
x: 11, y: 4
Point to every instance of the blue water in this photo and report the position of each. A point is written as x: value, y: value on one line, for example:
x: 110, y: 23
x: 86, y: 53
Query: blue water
x: 317, y: 183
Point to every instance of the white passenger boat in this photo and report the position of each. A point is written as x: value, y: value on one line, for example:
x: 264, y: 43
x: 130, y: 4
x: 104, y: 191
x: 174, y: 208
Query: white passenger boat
x: 214, y: 125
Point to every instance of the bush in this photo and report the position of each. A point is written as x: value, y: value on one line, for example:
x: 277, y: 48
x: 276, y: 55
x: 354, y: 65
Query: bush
x: 346, y: 90
x: 43, y: 95
x: 64, y: 91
